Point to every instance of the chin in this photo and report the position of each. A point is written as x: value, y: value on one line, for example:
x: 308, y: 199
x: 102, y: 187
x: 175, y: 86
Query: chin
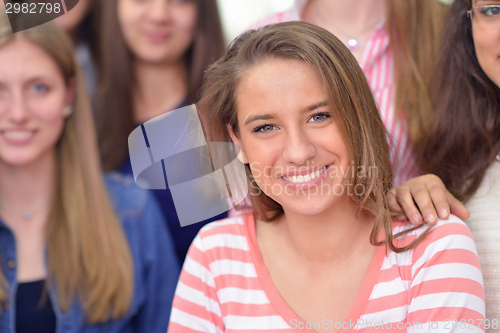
x: 156, y: 58
x: 21, y: 158
x: 307, y: 205
x: 17, y: 161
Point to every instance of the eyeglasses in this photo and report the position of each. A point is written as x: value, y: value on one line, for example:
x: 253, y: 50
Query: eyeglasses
x: 485, y: 16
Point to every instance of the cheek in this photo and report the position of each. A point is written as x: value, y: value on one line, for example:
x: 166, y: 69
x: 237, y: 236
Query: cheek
x: 49, y: 110
x: 262, y: 158
x: 485, y: 42
x: 186, y: 21
x: 128, y: 19
x: 51, y: 123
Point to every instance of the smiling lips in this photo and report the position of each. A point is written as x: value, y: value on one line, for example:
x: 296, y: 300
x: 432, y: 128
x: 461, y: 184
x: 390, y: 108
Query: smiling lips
x: 157, y: 36
x: 305, y: 178
x: 18, y: 137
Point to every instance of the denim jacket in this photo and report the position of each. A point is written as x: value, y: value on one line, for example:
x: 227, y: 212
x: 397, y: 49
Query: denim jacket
x: 155, y: 265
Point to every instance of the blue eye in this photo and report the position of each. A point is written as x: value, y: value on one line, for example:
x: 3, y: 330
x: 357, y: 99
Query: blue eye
x: 264, y: 128
x: 491, y: 11
x: 40, y: 88
x: 319, y: 117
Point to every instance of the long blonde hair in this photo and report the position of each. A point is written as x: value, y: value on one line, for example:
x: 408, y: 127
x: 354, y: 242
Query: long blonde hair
x: 88, y: 254
x: 415, y: 28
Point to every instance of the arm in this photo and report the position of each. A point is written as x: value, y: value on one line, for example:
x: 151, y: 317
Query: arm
x: 160, y: 271
x: 446, y: 291
x: 196, y: 307
x: 424, y: 198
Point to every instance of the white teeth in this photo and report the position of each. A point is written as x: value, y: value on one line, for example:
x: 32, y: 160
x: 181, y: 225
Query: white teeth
x: 17, y: 135
x: 306, y: 178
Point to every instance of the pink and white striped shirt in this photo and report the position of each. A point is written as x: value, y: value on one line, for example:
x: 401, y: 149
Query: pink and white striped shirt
x: 377, y: 64
x: 225, y: 286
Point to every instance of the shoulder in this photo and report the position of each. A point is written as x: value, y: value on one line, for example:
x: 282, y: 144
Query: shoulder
x: 485, y: 199
x: 228, y: 233
x: 127, y: 198
x: 452, y: 227
x: 224, y: 230
x: 449, y: 243
x: 139, y: 215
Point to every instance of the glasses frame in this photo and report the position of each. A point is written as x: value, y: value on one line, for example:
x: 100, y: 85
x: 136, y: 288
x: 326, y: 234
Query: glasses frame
x: 470, y: 13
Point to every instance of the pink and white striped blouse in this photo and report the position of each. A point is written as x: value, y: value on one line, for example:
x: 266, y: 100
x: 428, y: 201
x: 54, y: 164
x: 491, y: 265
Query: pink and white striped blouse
x: 437, y: 286
x: 377, y: 64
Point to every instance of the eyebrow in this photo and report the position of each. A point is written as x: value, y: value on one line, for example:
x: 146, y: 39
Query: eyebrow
x: 272, y: 115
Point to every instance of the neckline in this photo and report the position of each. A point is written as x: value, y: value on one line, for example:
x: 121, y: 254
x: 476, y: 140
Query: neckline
x: 279, y: 304
x: 296, y: 14
x: 35, y: 282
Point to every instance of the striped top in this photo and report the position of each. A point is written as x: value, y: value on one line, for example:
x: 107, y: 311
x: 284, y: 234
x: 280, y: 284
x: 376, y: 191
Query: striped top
x: 225, y: 287
x: 377, y: 64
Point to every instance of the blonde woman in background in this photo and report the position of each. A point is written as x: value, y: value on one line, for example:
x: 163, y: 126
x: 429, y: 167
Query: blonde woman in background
x: 78, y: 252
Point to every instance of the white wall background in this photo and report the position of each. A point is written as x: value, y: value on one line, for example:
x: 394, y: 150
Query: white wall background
x: 239, y: 15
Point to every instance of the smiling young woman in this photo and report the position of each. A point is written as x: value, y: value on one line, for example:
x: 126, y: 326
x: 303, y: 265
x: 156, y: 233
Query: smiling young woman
x: 78, y: 251
x: 320, y: 246
x: 395, y: 43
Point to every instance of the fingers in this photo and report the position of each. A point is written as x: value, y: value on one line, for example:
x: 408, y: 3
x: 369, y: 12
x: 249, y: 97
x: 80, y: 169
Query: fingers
x: 392, y: 203
x: 405, y: 200
x: 423, y: 199
x: 439, y: 197
x: 457, y: 208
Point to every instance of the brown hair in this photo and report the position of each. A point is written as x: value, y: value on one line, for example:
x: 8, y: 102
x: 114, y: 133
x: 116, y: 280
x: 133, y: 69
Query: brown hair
x: 415, y: 28
x: 90, y: 30
x: 88, y: 253
x: 357, y: 116
x: 466, y: 133
x: 114, y: 114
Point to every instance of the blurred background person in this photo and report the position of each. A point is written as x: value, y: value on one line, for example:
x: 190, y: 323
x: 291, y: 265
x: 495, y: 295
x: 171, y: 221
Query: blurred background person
x: 154, y: 56
x: 79, y: 252
x: 463, y: 146
x: 82, y: 24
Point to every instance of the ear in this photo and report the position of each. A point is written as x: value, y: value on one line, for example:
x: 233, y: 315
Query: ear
x: 241, y: 156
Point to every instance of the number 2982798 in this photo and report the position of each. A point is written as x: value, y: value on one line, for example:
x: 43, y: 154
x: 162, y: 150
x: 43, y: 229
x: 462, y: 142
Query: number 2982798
x: 33, y: 8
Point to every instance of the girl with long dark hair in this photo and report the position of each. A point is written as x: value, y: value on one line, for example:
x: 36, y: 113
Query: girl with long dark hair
x: 154, y: 56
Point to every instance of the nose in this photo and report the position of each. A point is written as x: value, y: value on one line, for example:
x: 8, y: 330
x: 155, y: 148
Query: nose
x: 160, y: 11
x: 17, y: 110
x: 298, y: 148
